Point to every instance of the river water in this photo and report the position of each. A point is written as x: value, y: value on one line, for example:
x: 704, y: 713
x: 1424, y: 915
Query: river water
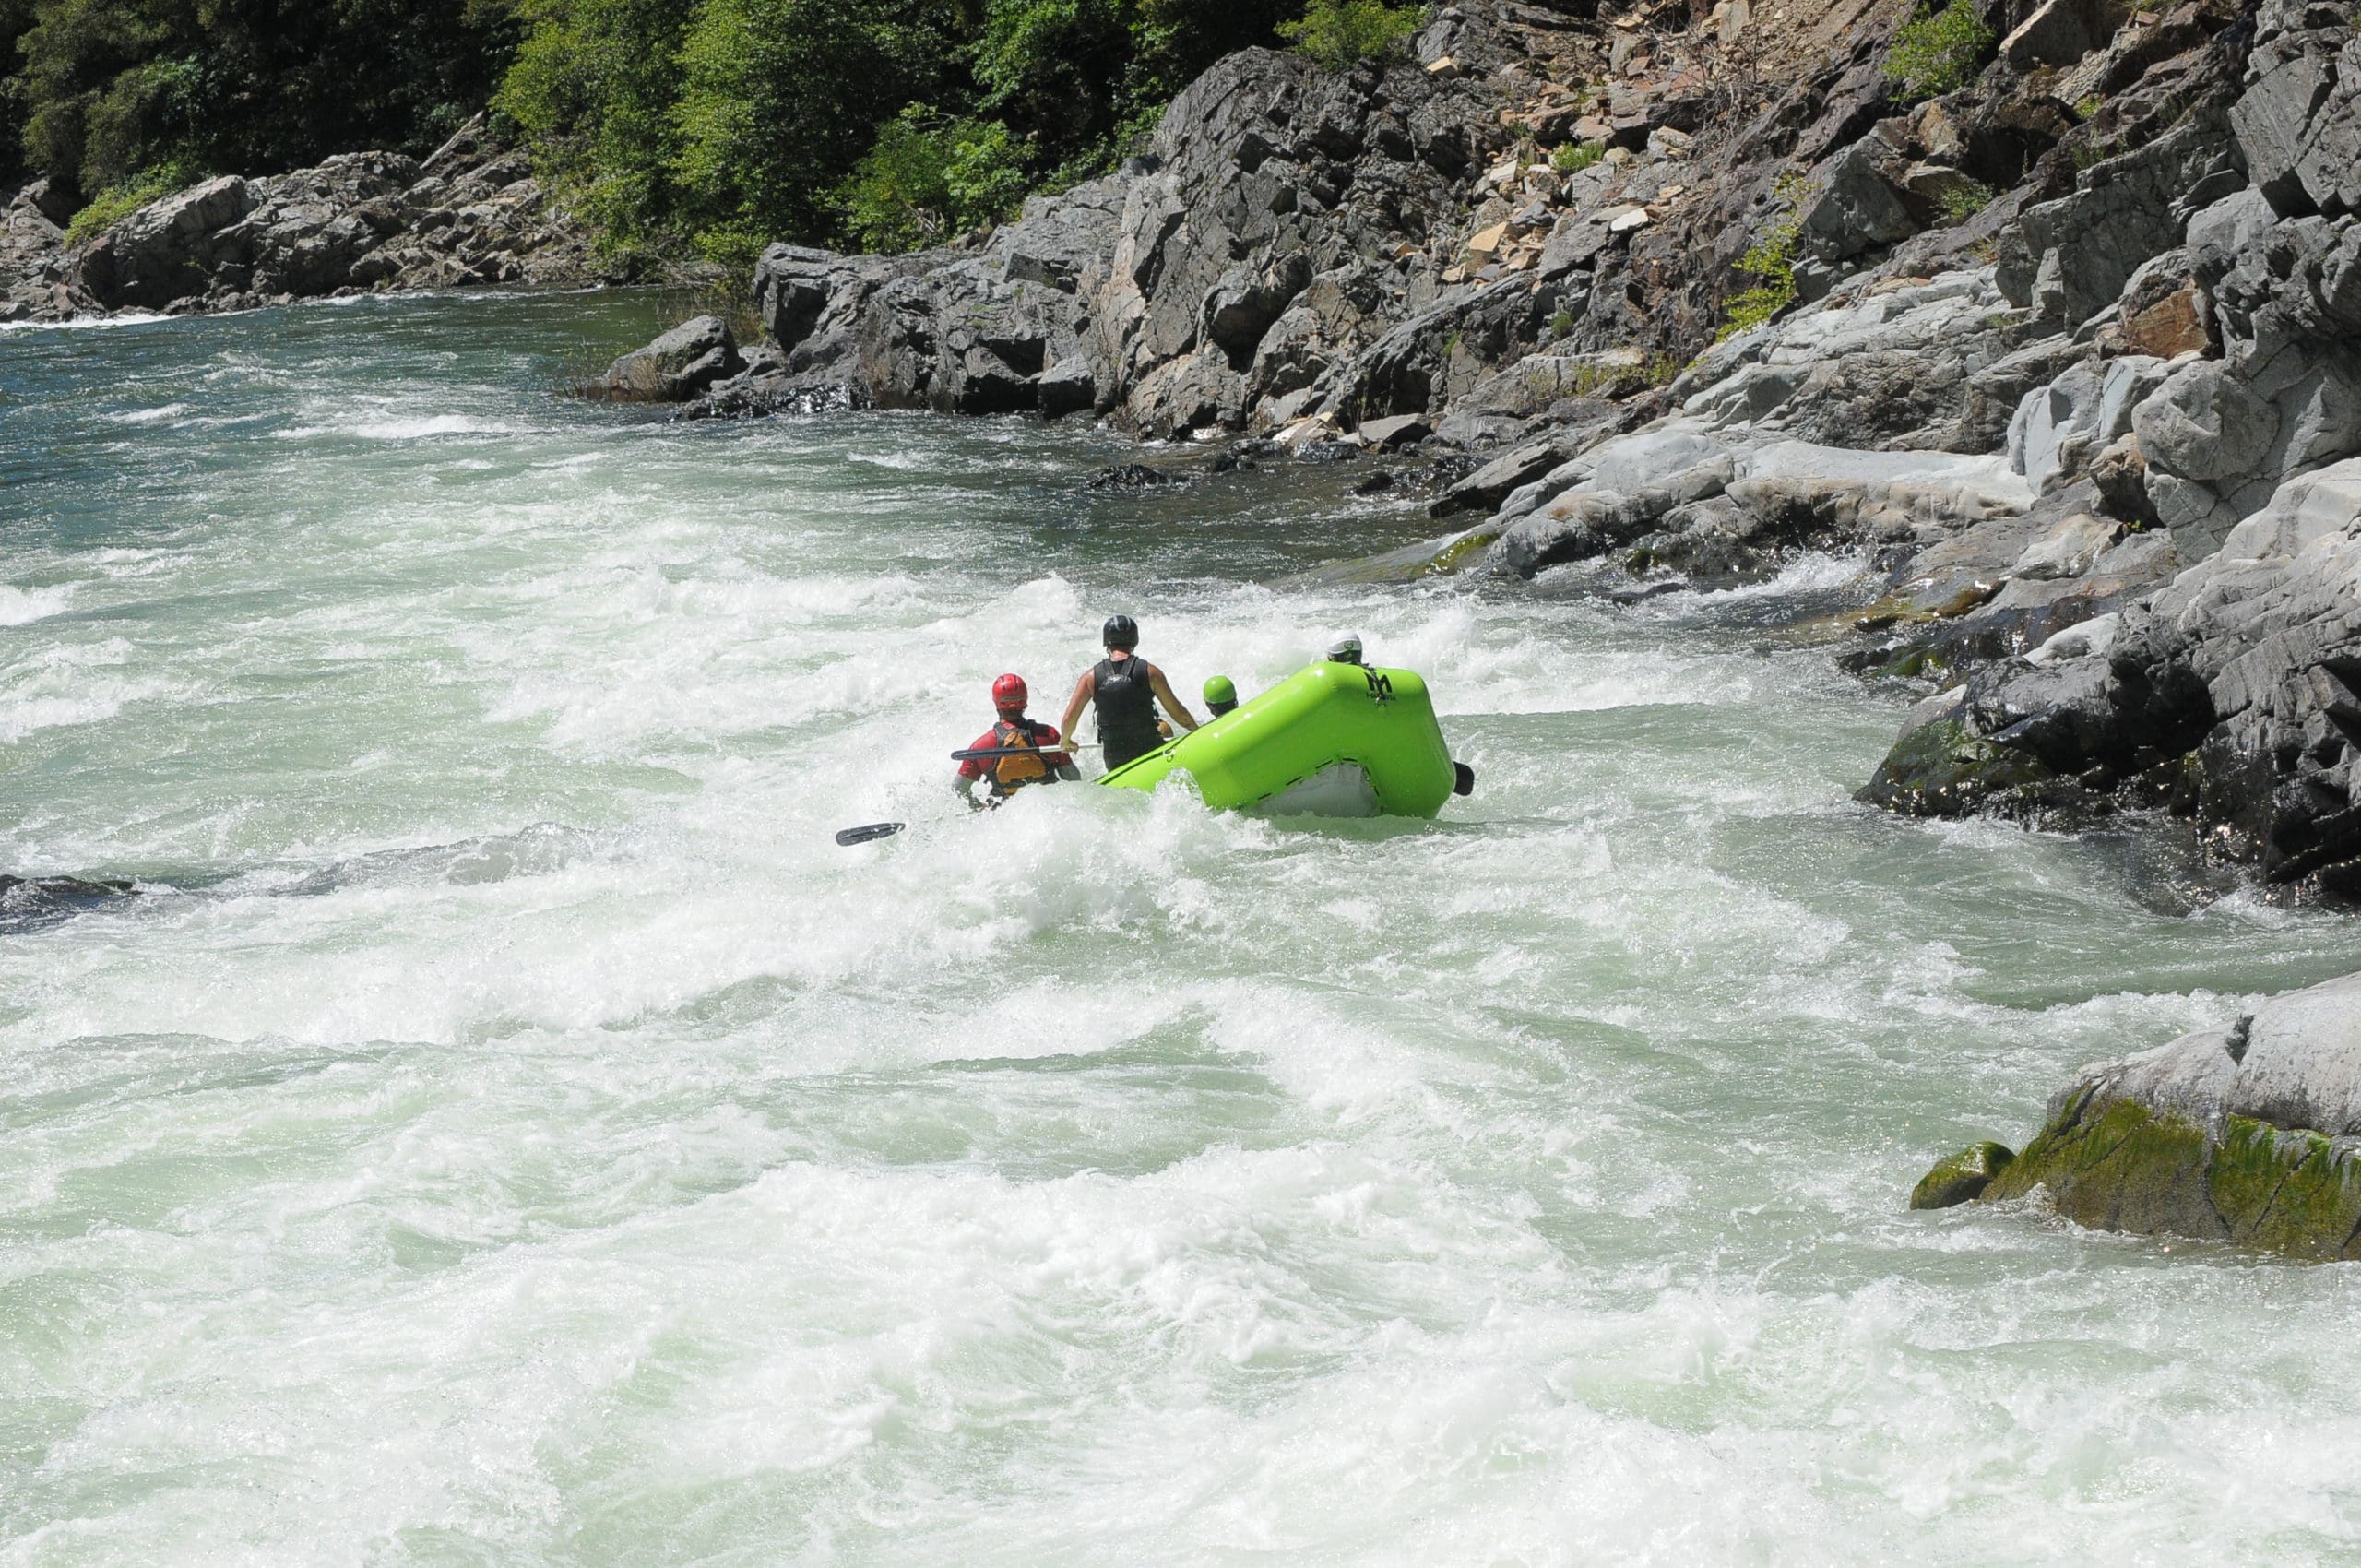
x: 506, y: 1128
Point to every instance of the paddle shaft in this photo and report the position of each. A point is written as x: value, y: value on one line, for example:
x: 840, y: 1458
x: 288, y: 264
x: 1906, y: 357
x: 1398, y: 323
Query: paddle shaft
x: 985, y: 753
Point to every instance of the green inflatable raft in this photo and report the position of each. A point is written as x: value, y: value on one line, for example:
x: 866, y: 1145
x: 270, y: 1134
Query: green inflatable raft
x: 1331, y: 739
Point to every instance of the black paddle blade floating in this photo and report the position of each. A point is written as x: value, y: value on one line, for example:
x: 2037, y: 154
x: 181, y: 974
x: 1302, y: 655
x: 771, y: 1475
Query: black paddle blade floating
x: 863, y: 834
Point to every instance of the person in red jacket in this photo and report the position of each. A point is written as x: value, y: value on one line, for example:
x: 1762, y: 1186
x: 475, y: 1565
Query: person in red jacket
x: 1037, y: 759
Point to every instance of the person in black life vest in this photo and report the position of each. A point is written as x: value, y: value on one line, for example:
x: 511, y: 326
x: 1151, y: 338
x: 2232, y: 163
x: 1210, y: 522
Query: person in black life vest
x: 1125, y: 688
x: 1038, y: 760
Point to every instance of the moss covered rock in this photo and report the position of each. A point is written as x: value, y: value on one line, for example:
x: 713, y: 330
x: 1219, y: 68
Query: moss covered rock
x: 2120, y: 1167
x: 1958, y: 1177
x: 2249, y: 1133
x: 1946, y: 769
x: 1444, y: 557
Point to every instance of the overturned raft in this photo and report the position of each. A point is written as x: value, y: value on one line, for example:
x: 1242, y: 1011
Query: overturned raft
x: 1331, y: 739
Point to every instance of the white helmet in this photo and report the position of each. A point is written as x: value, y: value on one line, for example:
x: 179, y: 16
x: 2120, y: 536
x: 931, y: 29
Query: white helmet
x: 1345, y: 649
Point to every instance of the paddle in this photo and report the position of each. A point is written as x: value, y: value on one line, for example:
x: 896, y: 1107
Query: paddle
x: 870, y: 832
x: 985, y: 753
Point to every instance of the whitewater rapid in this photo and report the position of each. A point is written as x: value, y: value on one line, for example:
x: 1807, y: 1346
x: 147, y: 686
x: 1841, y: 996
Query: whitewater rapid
x: 506, y: 1128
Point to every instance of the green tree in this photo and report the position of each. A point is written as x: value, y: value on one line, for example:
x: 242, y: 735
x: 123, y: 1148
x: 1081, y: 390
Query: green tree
x: 1055, y: 70
x: 1174, y: 41
x: 113, y: 88
x: 927, y: 179
x: 779, y: 98
x: 596, y: 86
x: 1338, y: 32
x: 15, y: 94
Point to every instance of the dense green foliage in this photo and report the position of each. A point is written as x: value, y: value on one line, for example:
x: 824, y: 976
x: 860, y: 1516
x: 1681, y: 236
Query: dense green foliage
x: 1940, y: 50
x: 926, y: 178
x: 726, y: 123
x: 1339, y: 32
x: 717, y: 124
x: 102, y: 91
x: 120, y: 200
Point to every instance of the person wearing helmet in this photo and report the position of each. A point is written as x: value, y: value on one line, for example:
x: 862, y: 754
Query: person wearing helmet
x: 1345, y: 649
x: 1124, y: 689
x: 1036, y: 759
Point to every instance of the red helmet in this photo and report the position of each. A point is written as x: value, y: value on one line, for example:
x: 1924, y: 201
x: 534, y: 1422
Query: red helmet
x: 1008, y: 693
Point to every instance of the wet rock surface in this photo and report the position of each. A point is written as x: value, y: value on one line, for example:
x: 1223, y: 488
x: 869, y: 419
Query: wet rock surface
x: 28, y: 903
x: 677, y: 366
x: 2246, y: 1131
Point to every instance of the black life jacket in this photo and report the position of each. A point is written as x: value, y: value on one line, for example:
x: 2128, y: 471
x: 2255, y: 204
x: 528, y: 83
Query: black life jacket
x: 1010, y: 774
x: 1126, y: 705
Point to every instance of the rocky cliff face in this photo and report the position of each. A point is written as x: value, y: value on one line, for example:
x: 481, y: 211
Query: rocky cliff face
x: 471, y: 214
x: 1299, y: 245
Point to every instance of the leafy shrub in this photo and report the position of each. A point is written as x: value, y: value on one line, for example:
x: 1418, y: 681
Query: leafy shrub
x: 1770, y: 262
x: 1966, y: 199
x: 1572, y: 157
x: 1339, y: 32
x: 1939, y: 52
x: 927, y: 179
x: 118, y: 202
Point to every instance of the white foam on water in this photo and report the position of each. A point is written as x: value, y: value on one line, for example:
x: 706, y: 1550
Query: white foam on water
x: 156, y: 415
x: 84, y: 322
x: 21, y: 607
x: 413, y: 429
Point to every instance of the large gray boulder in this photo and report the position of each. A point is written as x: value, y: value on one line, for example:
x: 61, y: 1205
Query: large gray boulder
x: 2248, y: 1131
x: 678, y: 365
x: 169, y: 248
x: 2069, y: 257
x: 2235, y: 688
x: 1937, y: 364
x: 1856, y: 205
x: 2220, y: 437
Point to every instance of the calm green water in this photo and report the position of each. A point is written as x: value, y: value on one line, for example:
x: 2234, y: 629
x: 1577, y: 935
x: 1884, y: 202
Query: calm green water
x: 510, y: 1131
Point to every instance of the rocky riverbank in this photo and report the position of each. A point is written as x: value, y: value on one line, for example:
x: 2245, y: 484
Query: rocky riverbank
x: 470, y: 214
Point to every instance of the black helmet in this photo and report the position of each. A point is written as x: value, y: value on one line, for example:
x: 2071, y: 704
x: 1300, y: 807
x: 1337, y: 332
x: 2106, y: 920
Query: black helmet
x: 1121, y: 631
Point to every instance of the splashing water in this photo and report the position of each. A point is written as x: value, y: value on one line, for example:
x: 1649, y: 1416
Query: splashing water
x: 506, y: 1127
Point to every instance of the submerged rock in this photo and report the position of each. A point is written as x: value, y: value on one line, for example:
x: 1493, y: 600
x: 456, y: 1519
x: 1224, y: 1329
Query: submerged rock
x: 27, y: 902
x: 1958, y: 1178
x: 1131, y: 476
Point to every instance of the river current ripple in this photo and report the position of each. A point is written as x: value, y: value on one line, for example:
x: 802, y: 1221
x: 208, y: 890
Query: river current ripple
x: 506, y: 1128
